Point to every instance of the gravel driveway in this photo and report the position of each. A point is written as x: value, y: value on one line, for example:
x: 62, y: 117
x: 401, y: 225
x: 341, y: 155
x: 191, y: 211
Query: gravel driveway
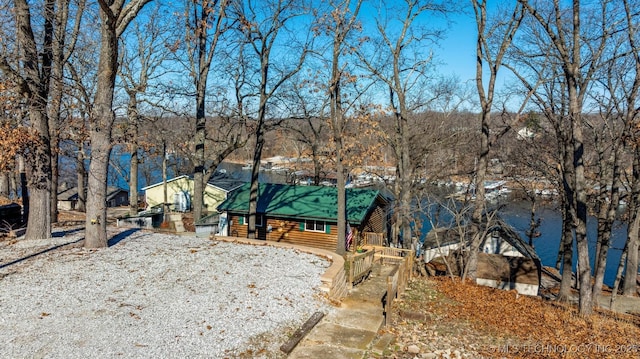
x: 153, y: 295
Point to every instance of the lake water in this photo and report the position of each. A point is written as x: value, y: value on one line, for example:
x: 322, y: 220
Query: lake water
x: 516, y: 213
x: 118, y: 178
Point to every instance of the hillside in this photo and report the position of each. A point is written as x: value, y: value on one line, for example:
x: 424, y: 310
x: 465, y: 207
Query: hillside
x: 438, y: 317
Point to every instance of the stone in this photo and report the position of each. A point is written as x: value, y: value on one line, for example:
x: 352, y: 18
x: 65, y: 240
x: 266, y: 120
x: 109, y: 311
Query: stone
x: 430, y: 356
x: 410, y: 315
x: 413, y: 349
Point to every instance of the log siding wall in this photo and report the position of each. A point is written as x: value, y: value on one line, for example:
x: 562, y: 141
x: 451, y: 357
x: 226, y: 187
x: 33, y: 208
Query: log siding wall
x: 286, y: 230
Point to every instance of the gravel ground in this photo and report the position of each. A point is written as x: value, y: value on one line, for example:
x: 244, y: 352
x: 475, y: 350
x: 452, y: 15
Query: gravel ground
x: 153, y: 295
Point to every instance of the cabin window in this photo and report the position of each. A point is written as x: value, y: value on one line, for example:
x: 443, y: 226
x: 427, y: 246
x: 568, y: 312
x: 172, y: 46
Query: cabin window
x: 314, y: 226
x: 245, y: 220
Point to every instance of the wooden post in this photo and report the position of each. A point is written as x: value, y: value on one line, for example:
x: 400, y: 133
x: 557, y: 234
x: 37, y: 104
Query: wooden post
x: 301, y: 332
x: 351, y: 263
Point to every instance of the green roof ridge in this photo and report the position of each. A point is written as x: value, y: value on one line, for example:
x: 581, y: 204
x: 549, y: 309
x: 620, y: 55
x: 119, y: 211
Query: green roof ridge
x: 305, y: 202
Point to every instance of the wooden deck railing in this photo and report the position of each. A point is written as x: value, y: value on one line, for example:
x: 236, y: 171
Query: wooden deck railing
x: 360, y: 265
x: 396, y: 284
x: 391, y: 255
x: 372, y: 239
x: 402, y: 260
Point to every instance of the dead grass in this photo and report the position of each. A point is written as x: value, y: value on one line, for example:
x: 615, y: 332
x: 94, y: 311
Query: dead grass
x: 494, y: 323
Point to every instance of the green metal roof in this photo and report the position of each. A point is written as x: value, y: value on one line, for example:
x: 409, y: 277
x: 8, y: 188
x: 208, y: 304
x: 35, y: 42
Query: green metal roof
x: 302, y: 202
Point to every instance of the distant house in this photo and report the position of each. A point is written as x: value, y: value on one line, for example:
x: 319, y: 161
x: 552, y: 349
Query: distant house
x: 505, y: 260
x: 525, y: 133
x: 304, y: 215
x: 305, y: 177
x: 68, y: 199
x: 180, y: 192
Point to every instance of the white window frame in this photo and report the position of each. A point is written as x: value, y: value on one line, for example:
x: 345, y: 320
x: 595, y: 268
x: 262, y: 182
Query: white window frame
x: 315, y: 225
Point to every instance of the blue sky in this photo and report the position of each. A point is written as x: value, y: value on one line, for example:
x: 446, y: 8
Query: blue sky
x: 455, y: 54
x: 458, y: 49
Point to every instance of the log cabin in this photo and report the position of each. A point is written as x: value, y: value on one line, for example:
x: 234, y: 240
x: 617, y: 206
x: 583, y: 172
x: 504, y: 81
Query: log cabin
x: 304, y: 215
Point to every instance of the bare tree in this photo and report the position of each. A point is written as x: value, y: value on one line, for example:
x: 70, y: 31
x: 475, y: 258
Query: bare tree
x: 630, y: 118
x: 205, y: 24
x: 563, y: 29
x: 140, y: 69
x: 63, y: 46
x: 533, y: 62
x: 491, y: 47
x: 308, y: 123
x: 400, y: 59
x: 80, y: 96
x: 263, y: 26
x: 31, y: 74
x: 339, y: 24
x: 610, y: 130
x: 115, y: 16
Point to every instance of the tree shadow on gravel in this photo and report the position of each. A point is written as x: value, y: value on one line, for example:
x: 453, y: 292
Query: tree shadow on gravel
x: 59, y: 234
x: 3, y: 265
x: 111, y: 242
x: 121, y: 236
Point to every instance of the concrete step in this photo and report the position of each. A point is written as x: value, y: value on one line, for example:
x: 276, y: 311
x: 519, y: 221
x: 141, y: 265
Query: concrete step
x: 179, y: 226
x: 349, y: 331
x: 356, y: 315
x: 380, y: 345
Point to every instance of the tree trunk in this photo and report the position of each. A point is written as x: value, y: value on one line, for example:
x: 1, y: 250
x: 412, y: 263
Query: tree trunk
x: 606, y: 217
x: 55, y: 176
x: 38, y: 163
x: 100, y: 134
x: 481, y: 170
x: 132, y: 111
x: 4, y: 184
x: 82, y: 180
x: 316, y: 164
x: 616, y: 282
x: 532, y: 232
x: 630, y: 286
x: 39, y: 190
x: 404, y: 175
x: 14, y: 180
x: 255, y: 174
x: 479, y: 203
x: 57, y: 89
x: 582, y: 245
x: 165, y: 198
x: 632, y: 245
x: 133, y: 181
x: 341, y: 245
x: 36, y: 66
x: 257, y: 153
x: 566, y: 281
x: 96, y: 223
x: 24, y: 191
x: 198, y: 174
x: 471, y: 265
x: 204, y: 50
x: 337, y: 124
x: 568, y: 212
